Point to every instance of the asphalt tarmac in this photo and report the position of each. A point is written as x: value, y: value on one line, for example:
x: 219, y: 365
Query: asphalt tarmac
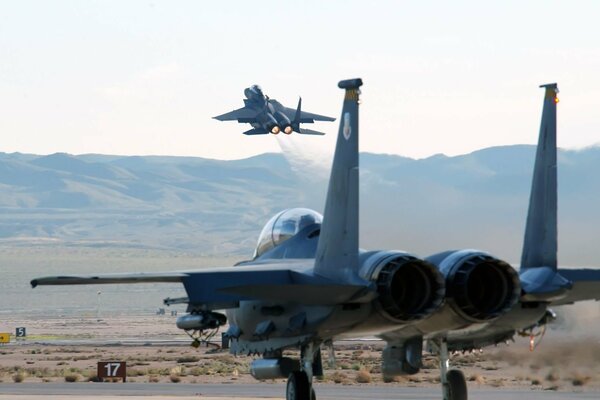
x: 77, y: 391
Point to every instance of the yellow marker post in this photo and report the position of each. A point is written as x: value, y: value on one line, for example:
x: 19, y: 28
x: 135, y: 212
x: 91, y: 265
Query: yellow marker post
x: 4, y: 337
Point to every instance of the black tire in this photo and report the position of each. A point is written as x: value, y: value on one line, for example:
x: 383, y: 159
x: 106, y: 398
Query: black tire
x: 457, y: 385
x: 298, y: 387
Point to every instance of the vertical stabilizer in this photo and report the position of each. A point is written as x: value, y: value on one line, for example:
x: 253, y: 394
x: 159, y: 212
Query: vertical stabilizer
x: 540, y: 244
x: 337, y: 251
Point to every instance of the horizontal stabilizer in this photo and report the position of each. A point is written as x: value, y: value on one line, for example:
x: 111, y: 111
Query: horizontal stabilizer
x: 586, y: 285
x: 304, y: 131
x: 298, y: 116
x: 166, y: 277
x: 256, y: 131
x: 303, y: 294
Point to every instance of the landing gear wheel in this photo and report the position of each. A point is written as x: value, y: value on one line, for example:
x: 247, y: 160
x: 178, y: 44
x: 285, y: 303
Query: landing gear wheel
x: 298, y: 387
x: 457, y: 385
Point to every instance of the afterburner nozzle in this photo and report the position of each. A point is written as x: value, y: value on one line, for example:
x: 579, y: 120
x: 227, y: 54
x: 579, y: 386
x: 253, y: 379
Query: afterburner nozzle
x: 287, y: 130
x: 275, y: 130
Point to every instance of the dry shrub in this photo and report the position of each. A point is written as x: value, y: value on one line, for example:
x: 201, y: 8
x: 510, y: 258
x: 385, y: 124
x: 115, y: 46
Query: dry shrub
x: 175, y: 378
x: 579, y: 379
x: 397, y: 379
x: 153, y: 379
x: 135, y: 372
x: 490, y: 368
x: 535, y: 367
x: 363, y: 376
x: 339, y: 377
x: 536, y: 381
x: 521, y: 377
x: 18, y: 377
x: 344, y: 365
x: 477, y: 378
x: 552, y: 376
x: 71, y: 378
x: 188, y: 359
x: 496, y: 382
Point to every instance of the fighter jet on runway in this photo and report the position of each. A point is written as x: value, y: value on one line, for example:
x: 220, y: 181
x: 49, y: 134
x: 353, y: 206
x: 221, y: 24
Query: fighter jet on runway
x: 309, y: 283
x: 270, y: 116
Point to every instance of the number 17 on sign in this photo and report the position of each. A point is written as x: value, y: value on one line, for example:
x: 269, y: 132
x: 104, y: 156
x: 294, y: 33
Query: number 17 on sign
x: 116, y: 369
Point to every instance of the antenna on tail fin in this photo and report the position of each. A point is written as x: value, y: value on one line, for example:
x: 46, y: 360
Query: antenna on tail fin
x: 337, y: 251
x: 540, y: 245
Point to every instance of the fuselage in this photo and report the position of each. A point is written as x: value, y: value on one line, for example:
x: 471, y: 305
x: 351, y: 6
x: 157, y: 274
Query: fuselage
x: 290, y: 322
x: 270, y: 116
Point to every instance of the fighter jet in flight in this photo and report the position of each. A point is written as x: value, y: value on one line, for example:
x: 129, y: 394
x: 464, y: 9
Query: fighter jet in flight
x: 270, y: 116
x: 309, y: 284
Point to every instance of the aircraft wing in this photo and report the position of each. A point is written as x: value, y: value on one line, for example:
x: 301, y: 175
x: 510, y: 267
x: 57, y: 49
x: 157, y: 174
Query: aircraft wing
x: 586, y: 285
x: 244, y: 114
x: 225, y: 287
x: 109, y: 278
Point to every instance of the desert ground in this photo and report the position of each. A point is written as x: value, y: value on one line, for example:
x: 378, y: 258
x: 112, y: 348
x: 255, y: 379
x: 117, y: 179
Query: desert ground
x: 67, y: 350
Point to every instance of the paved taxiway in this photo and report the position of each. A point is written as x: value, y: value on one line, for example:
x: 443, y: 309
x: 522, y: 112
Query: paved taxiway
x: 85, y: 391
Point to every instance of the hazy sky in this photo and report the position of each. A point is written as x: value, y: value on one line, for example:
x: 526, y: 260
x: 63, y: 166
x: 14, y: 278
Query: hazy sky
x: 145, y: 77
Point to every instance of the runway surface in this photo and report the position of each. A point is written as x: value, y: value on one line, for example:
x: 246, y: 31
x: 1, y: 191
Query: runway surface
x: 324, y: 392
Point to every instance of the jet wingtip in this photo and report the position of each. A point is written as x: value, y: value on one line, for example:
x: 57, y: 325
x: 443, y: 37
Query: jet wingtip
x: 34, y: 283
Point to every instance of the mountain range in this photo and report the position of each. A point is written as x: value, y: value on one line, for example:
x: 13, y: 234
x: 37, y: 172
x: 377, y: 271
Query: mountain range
x: 213, y: 207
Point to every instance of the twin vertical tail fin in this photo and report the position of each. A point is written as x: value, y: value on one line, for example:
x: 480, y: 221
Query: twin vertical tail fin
x: 540, y: 280
x: 297, y: 116
x: 337, y: 251
x: 298, y: 119
x: 540, y: 243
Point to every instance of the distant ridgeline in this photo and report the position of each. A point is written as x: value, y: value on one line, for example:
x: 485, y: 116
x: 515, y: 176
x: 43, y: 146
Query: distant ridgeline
x: 218, y: 207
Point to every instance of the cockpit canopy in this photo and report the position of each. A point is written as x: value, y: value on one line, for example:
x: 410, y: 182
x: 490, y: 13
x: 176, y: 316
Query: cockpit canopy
x: 283, y: 226
x: 254, y: 92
